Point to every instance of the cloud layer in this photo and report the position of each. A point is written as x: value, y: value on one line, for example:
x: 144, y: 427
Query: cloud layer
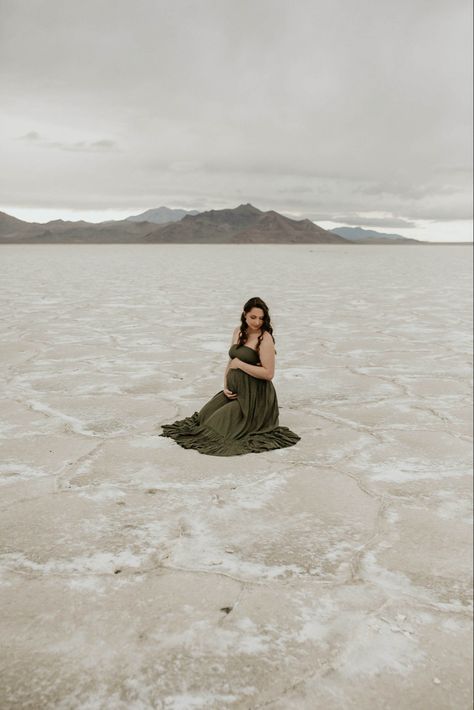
x: 331, y: 110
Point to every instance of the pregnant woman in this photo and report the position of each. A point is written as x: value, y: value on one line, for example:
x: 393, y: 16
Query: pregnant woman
x: 242, y: 418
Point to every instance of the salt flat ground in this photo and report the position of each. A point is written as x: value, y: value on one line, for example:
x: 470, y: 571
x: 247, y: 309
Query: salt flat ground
x: 335, y: 573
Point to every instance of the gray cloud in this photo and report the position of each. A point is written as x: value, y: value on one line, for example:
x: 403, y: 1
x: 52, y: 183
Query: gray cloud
x: 30, y: 136
x: 97, y: 146
x: 314, y: 108
x: 409, y: 190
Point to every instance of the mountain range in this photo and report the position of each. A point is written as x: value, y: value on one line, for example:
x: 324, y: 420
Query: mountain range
x: 369, y: 236
x: 244, y: 224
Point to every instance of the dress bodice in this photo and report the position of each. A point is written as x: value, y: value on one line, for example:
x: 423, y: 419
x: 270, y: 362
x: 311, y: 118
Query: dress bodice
x: 244, y: 353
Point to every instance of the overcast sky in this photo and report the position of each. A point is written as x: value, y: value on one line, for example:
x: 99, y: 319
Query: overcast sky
x: 355, y: 112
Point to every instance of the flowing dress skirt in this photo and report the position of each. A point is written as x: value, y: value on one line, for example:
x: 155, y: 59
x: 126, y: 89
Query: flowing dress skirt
x: 230, y: 427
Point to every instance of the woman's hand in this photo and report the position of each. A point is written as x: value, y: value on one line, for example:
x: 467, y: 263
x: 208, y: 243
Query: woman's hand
x: 234, y: 363
x: 229, y: 394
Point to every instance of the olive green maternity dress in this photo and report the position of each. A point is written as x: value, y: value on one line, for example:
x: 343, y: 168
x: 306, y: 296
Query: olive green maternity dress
x: 244, y: 425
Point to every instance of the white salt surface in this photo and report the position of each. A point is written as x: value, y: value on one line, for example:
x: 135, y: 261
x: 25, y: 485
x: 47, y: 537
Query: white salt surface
x: 332, y: 574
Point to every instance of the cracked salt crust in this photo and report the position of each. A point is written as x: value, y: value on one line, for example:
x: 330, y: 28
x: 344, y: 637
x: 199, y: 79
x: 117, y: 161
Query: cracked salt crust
x: 333, y: 574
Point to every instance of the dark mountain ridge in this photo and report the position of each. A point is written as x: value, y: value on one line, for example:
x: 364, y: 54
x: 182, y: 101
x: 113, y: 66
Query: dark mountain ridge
x: 241, y: 225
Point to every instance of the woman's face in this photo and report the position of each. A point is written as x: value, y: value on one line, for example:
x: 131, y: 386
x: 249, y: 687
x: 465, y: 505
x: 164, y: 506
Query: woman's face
x: 254, y: 318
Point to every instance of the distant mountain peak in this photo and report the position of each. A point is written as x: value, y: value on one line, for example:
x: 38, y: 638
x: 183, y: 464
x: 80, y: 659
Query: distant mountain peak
x: 161, y: 215
x: 247, y: 206
x: 358, y: 234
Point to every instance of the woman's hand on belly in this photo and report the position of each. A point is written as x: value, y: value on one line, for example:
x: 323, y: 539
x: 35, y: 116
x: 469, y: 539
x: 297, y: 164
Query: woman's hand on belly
x: 234, y: 363
x: 229, y: 394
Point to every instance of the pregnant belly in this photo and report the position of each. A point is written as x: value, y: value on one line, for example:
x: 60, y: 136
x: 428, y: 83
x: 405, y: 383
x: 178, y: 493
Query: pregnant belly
x: 233, y: 380
x: 239, y: 381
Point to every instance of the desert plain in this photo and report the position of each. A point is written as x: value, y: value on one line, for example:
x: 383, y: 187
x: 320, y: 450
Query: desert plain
x: 334, y: 574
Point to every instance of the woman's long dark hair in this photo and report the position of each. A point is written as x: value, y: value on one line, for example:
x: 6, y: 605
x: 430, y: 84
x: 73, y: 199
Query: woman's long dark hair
x: 255, y: 302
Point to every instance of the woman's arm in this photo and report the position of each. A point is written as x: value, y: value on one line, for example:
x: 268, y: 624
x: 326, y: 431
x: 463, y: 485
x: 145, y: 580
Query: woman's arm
x: 255, y: 370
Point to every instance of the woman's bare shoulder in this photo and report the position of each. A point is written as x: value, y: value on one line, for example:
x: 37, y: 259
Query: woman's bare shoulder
x: 235, y: 335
